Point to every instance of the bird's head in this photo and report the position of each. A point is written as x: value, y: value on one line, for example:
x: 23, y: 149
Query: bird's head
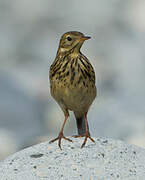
x: 72, y: 40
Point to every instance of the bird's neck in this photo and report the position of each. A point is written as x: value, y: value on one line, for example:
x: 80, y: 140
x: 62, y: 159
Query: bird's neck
x: 74, y: 52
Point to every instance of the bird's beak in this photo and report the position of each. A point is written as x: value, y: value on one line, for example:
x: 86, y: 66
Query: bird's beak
x: 84, y: 38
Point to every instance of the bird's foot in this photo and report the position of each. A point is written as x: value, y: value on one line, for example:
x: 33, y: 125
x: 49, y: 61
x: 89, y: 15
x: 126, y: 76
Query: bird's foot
x: 60, y: 136
x: 86, y: 135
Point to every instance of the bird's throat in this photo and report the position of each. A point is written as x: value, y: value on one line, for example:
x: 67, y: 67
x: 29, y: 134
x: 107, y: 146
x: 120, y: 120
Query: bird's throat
x: 72, y: 51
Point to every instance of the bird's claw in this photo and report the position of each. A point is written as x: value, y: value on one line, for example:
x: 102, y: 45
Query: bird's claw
x: 60, y: 136
x: 86, y: 135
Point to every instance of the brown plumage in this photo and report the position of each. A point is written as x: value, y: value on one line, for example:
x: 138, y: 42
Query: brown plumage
x: 72, y: 83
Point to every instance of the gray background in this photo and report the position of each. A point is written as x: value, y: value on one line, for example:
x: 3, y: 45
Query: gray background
x: 29, y: 35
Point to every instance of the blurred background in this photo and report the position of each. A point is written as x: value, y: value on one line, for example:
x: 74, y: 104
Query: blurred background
x: 29, y: 36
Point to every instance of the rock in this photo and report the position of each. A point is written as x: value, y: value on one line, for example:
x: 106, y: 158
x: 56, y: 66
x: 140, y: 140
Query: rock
x: 107, y: 159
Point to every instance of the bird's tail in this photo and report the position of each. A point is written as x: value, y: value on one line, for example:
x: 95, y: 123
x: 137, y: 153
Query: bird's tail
x: 80, y: 121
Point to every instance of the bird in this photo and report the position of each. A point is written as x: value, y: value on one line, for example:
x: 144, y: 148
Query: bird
x: 72, y: 83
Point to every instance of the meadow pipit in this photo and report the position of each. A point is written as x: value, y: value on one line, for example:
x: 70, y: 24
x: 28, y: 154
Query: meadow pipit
x: 72, y: 83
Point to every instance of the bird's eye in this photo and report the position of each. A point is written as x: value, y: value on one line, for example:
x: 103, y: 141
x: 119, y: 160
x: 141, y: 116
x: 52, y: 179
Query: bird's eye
x: 69, y: 38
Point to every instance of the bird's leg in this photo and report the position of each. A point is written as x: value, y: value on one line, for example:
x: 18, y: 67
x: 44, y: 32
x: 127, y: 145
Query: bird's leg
x: 60, y: 136
x: 87, y: 133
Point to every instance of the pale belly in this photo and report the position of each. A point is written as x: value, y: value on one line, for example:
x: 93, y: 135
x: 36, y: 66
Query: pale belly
x: 74, y: 98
